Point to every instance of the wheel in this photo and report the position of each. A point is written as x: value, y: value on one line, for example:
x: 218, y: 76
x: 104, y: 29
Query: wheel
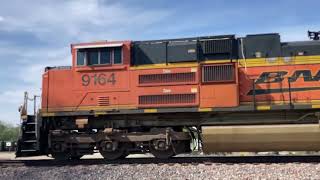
x: 112, y: 155
x: 112, y: 150
x: 76, y: 157
x: 61, y: 156
x: 159, y: 151
x: 124, y: 155
x: 181, y: 147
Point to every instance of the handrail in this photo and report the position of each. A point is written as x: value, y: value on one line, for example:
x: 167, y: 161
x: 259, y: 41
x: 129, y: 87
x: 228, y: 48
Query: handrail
x: 290, y: 98
x: 288, y: 89
x: 24, y: 108
x: 254, y: 94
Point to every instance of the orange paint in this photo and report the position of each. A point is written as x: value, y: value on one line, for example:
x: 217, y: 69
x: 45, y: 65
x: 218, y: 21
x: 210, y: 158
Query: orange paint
x: 246, y: 78
x: 118, y: 86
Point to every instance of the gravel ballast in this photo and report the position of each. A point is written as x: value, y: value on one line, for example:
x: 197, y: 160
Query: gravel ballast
x: 167, y: 171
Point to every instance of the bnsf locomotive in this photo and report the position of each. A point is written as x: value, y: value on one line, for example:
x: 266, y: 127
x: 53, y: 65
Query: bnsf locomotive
x: 232, y: 94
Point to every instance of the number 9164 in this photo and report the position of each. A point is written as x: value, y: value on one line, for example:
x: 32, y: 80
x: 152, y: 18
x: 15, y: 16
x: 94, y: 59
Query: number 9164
x: 98, y: 79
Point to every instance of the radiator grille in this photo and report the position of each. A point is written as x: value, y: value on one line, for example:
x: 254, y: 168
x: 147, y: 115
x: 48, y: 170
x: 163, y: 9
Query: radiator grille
x: 217, y: 46
x: 218, y: 73
x: 167, y: 78
x: 167, y: 99
x: 103, y: 101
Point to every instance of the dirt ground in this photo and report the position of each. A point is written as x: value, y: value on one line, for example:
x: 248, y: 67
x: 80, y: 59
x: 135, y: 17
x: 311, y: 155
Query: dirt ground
x: 11, y: 156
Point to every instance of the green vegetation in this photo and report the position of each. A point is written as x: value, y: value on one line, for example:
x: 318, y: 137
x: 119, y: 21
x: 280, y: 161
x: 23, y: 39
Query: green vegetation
x: 8, y: 132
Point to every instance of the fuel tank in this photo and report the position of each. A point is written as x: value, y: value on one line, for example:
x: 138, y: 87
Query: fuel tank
x: 257, y: 138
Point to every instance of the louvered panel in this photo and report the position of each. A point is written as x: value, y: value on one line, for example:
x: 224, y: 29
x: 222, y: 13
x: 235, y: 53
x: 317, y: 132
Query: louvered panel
x: 217, y: 46
x: 167, y: 78
x: 103, y: 101
x: 167, y: 99
x: 218, y: 73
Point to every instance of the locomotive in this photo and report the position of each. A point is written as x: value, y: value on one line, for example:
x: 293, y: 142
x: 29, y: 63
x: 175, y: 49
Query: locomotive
x: 228, y: 93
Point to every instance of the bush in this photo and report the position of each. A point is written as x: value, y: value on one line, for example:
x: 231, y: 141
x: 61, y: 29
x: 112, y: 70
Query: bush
x: 8, y: 132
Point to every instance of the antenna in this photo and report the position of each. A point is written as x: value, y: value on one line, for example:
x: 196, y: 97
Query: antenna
x: 314, y: 35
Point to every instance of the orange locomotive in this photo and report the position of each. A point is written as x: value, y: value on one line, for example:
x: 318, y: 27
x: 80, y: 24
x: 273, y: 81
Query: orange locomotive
x: 252, y: 93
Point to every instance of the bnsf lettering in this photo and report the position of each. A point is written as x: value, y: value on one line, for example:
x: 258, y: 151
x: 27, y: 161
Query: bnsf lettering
x: 98, y: 79
x: 271, y: 77
x: 279, y: 76
x: 306, y: 74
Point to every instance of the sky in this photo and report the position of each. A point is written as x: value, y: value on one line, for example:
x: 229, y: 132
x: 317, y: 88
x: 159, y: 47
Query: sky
x: 36, y: 34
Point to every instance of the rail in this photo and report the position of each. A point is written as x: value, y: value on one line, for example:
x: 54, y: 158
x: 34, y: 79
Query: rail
x: 184, y: 161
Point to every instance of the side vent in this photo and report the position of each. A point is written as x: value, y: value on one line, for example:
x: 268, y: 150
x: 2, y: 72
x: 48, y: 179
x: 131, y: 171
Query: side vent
x: 217, y: 46
x: 103, y: 101
x: 167, y: 99
x: 218, y: 73
x: 167, y: 78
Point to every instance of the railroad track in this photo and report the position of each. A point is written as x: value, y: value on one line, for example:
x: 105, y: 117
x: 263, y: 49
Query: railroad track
x: 184, y: 161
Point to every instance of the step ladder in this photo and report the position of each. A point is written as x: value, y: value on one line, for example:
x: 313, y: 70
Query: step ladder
x: 28, y: 143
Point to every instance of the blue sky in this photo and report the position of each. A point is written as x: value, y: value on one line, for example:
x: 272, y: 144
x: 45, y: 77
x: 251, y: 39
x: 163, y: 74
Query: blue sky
x: 36, y: 34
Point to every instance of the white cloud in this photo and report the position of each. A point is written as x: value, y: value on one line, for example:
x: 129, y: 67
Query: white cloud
x: 11, y: 97
x: 78, y: 19
x: 10, y: 101
x: 58, y: 24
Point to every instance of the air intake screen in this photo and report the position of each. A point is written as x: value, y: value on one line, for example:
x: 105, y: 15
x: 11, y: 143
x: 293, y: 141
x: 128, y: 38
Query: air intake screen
x: 218, y: 73
x: 167, y: 99
x: 217, y: 46
x: 103, y: 101
x: 167, y: 78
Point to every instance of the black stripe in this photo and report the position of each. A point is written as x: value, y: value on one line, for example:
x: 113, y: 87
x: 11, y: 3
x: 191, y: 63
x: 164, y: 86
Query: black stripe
x: 281, y: 90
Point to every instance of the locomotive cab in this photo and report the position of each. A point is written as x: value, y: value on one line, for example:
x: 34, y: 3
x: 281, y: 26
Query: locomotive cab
x: 100, y: 73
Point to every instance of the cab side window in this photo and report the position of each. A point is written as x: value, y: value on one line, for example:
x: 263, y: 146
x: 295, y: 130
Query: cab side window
x: 81, y: 57
x: 105, y: 56
x: 117, y: 55
x: 93, y: 58
x: 99, y: 56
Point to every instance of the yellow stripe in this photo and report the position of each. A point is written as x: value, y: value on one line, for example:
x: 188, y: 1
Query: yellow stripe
x: 304, y: 102
x: 315, y: 101
x: 170, y: 65
x: 204, y: 109
x: 105, y: 108
x: 88, y: 108
x: 253, y: 62
x: 48, y: 114
x: 217, y: 61
x: 150, y: 110
x: 100, y: 113
x: 279, y: 61
x: 263, y: 108
x: 316, y: 106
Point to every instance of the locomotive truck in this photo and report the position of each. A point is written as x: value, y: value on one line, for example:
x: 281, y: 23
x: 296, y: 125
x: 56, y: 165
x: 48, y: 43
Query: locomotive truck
x: 233, y: 94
